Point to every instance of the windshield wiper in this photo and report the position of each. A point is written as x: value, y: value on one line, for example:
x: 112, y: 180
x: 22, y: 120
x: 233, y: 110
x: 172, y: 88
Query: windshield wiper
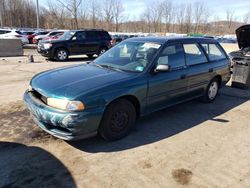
x: 108, y: 67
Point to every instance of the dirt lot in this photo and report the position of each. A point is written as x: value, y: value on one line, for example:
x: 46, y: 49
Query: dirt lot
x: 189, y: 145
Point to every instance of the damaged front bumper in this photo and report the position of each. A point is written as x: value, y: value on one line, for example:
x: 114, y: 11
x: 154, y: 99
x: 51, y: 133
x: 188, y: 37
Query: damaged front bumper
x: 62, y: 124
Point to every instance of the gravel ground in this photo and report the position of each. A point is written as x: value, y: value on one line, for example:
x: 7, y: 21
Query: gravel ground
x: 188, y: 145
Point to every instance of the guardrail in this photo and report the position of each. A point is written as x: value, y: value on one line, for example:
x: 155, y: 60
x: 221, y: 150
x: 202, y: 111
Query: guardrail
x: 10, y: 47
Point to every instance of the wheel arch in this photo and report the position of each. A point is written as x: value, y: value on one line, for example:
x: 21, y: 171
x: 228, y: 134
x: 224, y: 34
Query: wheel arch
x: 131, y: 98
x: 219, y: 78
x: 60, y: 47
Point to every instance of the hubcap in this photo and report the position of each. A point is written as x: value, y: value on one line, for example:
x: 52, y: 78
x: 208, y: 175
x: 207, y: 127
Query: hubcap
x: 119, y: 120
x: 213, y: 90
x: 62, y: 55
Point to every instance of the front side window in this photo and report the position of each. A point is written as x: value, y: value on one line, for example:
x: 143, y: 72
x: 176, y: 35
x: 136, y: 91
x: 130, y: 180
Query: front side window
x: 173, y: 56
x: 214, y: 52
x: 129, y: 56
x: 194, y: 54
x: 80, y: 36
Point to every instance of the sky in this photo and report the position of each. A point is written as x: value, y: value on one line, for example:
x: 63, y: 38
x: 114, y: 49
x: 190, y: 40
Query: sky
x: 134, y: 8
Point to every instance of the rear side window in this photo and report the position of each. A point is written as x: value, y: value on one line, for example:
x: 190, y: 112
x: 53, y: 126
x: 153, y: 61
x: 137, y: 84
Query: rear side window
x: 91, y: 34
x: 214, y: 52
x: 172, y: 55
x: 104, y: 35
x: 194, y: 54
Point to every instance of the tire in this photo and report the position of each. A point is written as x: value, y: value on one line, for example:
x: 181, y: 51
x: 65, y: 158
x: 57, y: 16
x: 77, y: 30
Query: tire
x: 118, y: 120
x: 211, y: 91
x: 102, y: 50
x: 90, y: 55
x: 61, y: 54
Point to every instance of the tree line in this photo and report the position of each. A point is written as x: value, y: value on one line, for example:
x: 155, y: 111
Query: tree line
x: 163, y: 16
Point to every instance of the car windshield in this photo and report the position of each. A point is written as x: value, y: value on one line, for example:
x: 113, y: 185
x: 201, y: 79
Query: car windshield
x: 129, y: 56
x: 67, y: 35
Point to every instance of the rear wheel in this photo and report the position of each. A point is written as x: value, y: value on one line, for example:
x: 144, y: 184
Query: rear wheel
x: 62, y: 54
x: 211, y: 91
x: 118, y: 120
x: 102, y: 50
x: 90, y: 55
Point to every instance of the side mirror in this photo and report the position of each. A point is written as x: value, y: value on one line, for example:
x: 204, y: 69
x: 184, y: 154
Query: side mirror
x: 162, y: 68
x: 74, y: 38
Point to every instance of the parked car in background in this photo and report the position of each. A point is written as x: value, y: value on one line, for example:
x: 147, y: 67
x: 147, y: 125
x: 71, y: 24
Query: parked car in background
x: 31, y: 37
x: 227, y: 40
x: 55, y: 37
x: 134, y: 78
x: 115, y: 39
x: 76, y: 42
x: 13, y: 34
x: 37, y: 38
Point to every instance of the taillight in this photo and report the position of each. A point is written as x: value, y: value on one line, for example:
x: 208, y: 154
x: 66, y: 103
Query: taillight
x: 19, y: 36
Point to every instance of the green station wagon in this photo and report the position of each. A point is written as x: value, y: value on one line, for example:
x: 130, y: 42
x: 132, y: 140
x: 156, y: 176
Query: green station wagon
x: 137, y: 77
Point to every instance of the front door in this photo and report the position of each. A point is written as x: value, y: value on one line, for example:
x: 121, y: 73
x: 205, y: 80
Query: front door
x: 168, y: 88
x: 78, y: 44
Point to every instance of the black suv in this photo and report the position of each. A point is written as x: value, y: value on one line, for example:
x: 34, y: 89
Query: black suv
x: 76, y: 42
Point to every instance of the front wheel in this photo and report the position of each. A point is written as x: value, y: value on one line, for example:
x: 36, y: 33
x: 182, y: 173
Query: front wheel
x: 62, y: 54
x: 118, y: 120
x: 211, y: 91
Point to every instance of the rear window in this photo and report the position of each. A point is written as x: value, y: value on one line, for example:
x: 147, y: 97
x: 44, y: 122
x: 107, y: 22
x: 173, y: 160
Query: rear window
x: 92, y: 34
x: 214, y: 52
x: 194, y: 54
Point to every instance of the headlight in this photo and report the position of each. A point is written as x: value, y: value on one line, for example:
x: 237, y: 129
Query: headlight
x: 30, y: 88
x: 65, y: 104
x: 47, y: 45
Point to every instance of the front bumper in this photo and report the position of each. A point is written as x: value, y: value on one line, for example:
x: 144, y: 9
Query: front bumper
x: 45, y: 53
x: 62, y: 124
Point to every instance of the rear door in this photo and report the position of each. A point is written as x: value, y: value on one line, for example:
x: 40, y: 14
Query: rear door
x: 218, y: 60
x: 92, y: 41
x: 168, y: 88
x: 199, y: 69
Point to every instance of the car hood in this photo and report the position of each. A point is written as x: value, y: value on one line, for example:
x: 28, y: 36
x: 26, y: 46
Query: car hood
x: 72, y: 82
x: 243, y: 36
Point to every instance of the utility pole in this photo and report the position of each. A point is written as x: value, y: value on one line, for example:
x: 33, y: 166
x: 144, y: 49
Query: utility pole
x: 37, y: 14
x: 1, y: 19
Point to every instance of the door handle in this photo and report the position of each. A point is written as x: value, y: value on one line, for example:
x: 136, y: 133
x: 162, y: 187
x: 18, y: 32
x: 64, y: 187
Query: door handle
x: 183, y: 76
x: 211, y: 70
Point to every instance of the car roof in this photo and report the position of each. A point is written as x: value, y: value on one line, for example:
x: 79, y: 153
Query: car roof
x: 162, y: 40
x: 88, y: 30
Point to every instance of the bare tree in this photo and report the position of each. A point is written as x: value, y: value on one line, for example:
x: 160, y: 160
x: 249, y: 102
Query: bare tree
x: 94, y: 12
x: 167, y: 12
x: 73, y: 6
x: 201, y: 15
x: 118, y: 10
x: 108, y: 13
x: 230, y: 17
x: 246, y: 17
x: 56, y: 15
